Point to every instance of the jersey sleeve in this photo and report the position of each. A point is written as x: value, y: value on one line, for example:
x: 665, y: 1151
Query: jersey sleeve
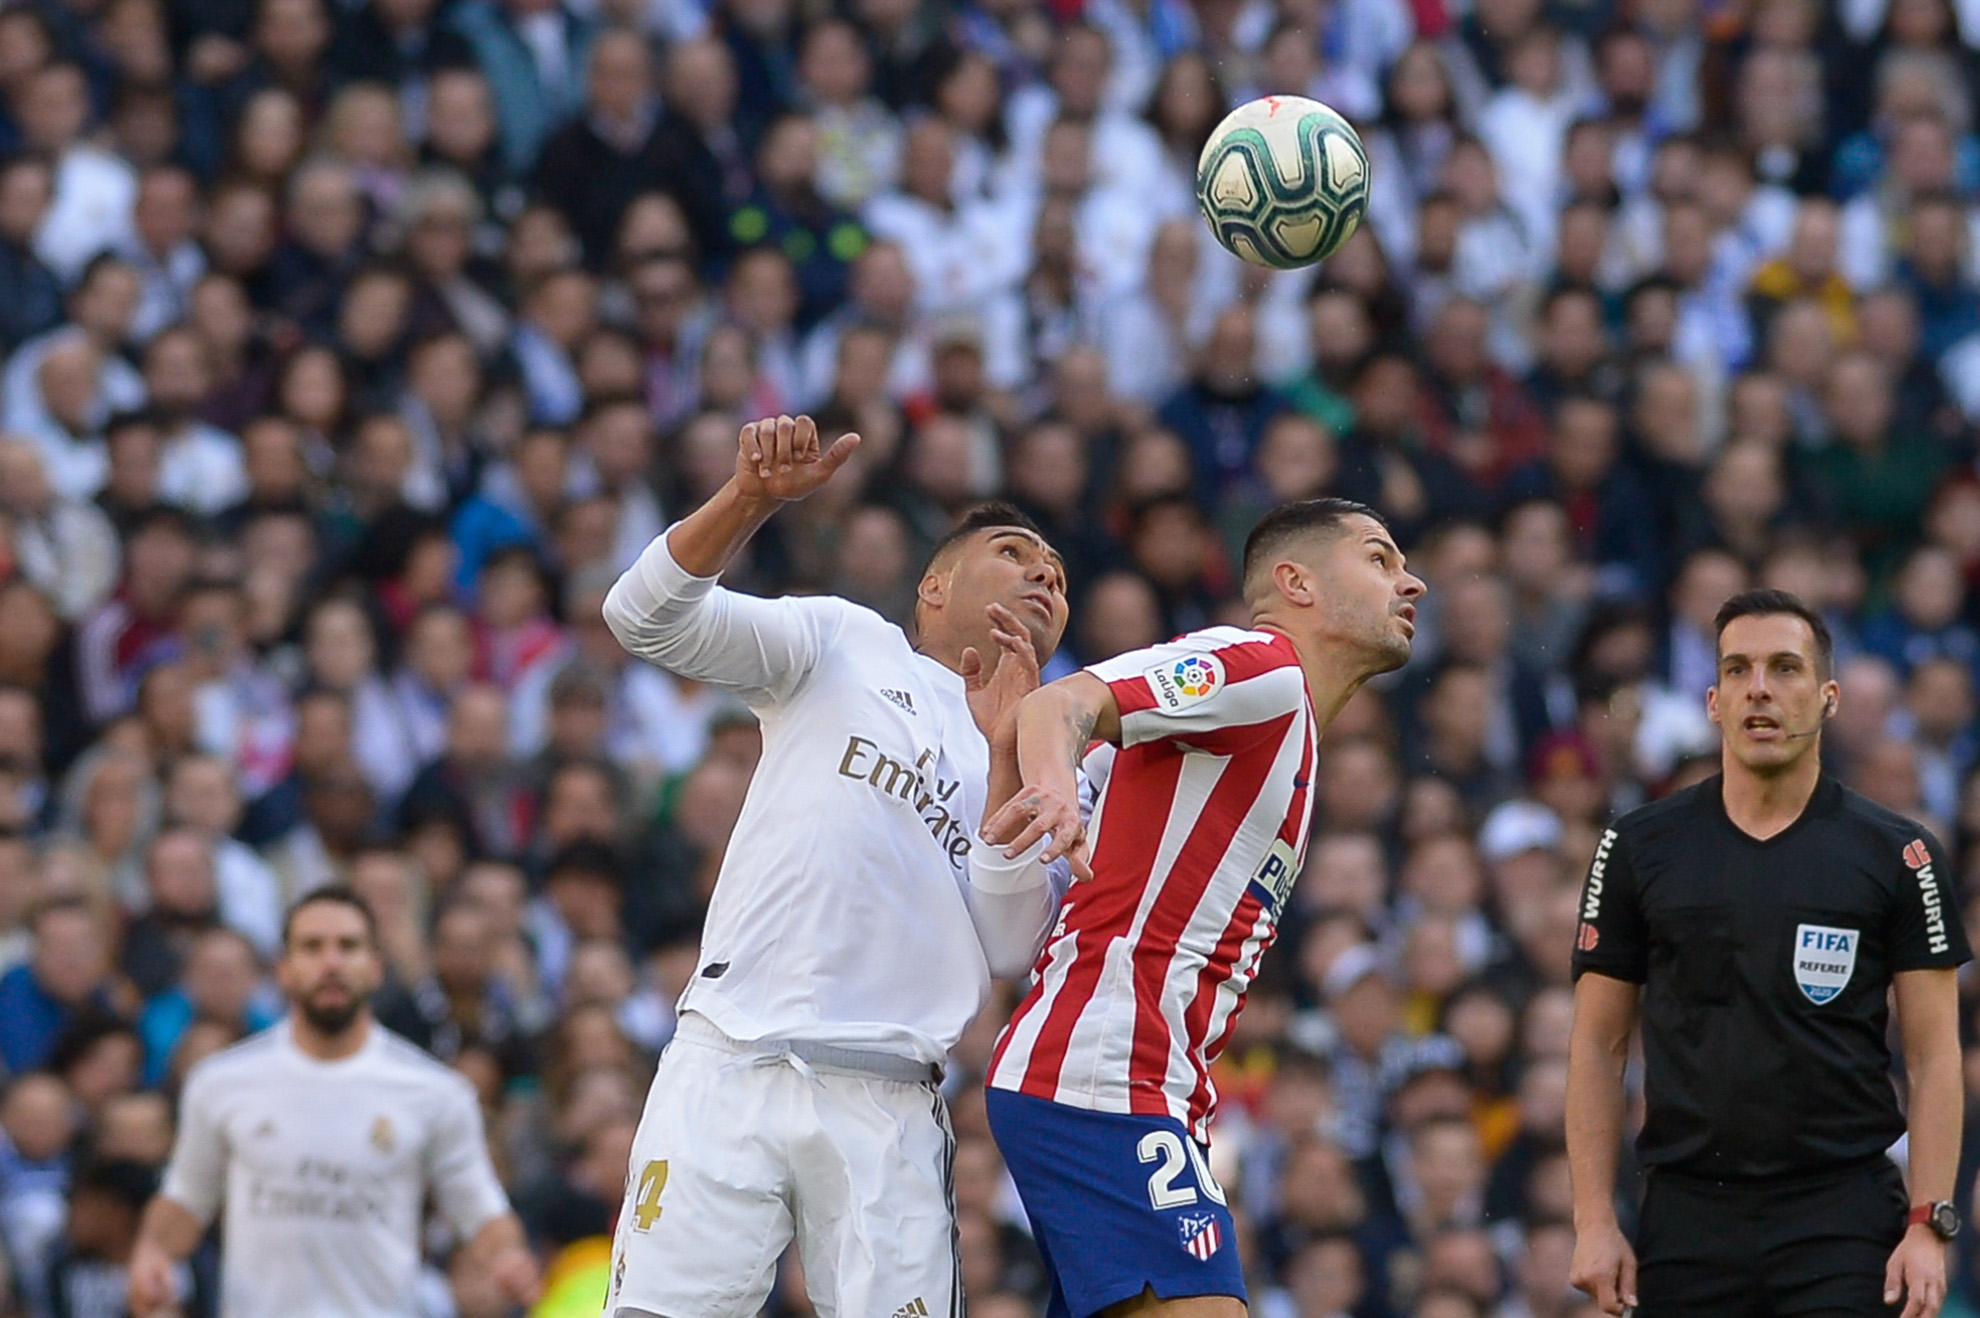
x: 196, y: 1176
x: 1013, y: 903
x: 1202, y: 694
x: 1925, y: 931
x: 459, y: 1171
x: 760, y: 650
x: 1611, y: 938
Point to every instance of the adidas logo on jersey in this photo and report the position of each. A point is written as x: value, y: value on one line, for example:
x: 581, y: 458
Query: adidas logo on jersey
x: 912, y: 1309
x: 901, y: 698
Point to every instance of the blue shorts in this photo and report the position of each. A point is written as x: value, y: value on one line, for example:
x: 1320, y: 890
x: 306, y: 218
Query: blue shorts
x: 1118, y: 1203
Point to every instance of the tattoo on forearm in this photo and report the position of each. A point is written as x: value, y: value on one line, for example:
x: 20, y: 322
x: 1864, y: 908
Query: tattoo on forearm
x: 1081, y: 723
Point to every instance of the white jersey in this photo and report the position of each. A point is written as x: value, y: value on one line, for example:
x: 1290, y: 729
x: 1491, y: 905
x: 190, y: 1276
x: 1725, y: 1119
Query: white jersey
x: 843, y: 912
x: 324, y: 1168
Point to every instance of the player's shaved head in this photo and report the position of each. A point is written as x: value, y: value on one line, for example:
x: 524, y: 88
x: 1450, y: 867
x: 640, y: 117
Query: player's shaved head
x: 1316, y: 519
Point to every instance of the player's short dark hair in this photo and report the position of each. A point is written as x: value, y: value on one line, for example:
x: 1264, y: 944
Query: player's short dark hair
x: 335, y: 894
x: 983, y: 517
x: 1767, y: 602
x: 1290, y: 521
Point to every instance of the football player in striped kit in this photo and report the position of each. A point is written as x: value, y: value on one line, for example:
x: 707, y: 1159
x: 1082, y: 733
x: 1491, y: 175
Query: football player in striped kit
x: 1100, y: 1091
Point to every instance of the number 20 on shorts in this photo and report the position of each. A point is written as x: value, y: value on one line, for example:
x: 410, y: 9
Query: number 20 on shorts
x: 1168, y: 1150
x: 646, y: 1204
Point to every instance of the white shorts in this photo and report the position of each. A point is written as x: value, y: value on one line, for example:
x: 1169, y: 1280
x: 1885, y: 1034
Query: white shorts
x: 741, y: 1150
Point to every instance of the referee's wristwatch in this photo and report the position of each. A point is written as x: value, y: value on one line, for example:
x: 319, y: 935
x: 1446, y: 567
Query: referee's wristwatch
x: 1942, y: 1217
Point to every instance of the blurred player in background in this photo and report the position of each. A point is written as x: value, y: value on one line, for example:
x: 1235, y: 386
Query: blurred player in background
x: 324, y: 1136
x: 1100, y: 1091
x: 847, y: 945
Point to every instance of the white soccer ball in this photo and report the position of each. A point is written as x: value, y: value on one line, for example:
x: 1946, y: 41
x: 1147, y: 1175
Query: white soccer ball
x: 1283, y: 181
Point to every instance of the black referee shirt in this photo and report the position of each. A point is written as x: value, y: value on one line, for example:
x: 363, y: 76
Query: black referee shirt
x: 1765, y: 967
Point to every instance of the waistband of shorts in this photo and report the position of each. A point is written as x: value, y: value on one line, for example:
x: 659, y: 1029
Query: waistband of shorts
x: 1793, y: 1181
x: 832, y: 1058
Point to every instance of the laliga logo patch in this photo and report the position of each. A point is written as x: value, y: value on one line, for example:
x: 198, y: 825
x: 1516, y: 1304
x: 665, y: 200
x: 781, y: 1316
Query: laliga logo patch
x: 1185, y: 682
x: 1824, y: 959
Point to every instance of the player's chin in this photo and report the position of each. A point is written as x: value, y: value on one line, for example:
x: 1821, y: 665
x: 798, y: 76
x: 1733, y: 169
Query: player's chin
x: 1394, y: 652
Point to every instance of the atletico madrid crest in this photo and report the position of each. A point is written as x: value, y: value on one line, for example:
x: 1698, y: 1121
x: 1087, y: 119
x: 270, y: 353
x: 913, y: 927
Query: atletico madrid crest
x: 1200, y: 1235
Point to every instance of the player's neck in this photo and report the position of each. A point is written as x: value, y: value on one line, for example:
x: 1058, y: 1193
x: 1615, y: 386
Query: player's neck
x: 1763, y: 804
x: 1330, y: 684
x: 323, y: 1047
x: 945, y: 649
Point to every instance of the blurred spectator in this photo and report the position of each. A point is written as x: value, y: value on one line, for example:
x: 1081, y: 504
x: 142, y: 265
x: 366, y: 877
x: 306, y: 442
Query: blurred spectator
x: 68, y: 971
x: 39, y: 1120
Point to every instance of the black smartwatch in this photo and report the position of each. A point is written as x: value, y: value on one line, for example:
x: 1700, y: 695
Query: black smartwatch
x: 1942, y: 1217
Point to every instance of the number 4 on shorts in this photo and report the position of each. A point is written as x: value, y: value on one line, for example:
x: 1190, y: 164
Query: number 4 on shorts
x: 646, y: 1204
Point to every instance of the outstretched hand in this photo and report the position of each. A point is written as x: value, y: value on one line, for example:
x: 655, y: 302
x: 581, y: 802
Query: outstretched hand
x: 781, y: 460
x: 995, y: 690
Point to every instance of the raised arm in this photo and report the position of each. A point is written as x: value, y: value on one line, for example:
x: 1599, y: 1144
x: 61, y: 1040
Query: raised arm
x: 1604, y: 1014
x: 1013, y: 900
x: 667, y: 608
x: 1055, y: 725
x: 777, y: 462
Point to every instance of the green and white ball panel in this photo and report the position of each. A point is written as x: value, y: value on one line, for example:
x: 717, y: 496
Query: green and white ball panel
x: 1283, y: 181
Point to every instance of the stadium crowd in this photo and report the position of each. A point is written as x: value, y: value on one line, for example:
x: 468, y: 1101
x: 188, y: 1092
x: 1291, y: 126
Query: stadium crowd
x: 353, y: 349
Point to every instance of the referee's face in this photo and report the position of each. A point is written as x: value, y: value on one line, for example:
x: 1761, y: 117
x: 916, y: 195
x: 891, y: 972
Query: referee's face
x: 329, y: 967
x: 1770, y: 700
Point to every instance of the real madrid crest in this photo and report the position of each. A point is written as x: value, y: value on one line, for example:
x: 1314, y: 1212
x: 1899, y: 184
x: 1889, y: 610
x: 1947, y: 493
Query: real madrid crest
x: 381, y: 1135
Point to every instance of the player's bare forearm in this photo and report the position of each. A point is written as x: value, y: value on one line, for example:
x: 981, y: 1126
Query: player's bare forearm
x: 167, y: 1233
x: 1005, y: 777
x: 1058, y: 722
x: 997, y: 688
x: 503, y: 1250
x: 1055, y: 725
x: 170, y: 1228
x: 1598, y: 1049
x: 706, y: 539
x: 1928, y: 1022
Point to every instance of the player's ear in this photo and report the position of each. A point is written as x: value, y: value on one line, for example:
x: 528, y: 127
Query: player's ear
x: 1712, y: 702
x: 933, y: 590
x: 1294, y: 582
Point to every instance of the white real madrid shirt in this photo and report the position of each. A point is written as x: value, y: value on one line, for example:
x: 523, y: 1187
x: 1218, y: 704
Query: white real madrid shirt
x: 843, y: 911
x: 324, y: 1168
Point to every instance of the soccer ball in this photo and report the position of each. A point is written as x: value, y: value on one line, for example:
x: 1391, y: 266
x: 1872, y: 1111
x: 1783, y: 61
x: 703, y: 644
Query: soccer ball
x: 1283, y: 181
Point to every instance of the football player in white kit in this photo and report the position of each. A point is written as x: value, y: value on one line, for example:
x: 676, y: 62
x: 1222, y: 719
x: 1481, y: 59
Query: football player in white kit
x: 853, y: 932
x: 324, y: 1135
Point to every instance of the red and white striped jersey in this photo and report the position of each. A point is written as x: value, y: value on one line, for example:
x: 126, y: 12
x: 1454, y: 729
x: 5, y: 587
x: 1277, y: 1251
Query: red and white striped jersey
x: 1196, y: 839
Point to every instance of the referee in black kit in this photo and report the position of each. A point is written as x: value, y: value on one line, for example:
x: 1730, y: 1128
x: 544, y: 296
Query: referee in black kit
x: 1762, y: 918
